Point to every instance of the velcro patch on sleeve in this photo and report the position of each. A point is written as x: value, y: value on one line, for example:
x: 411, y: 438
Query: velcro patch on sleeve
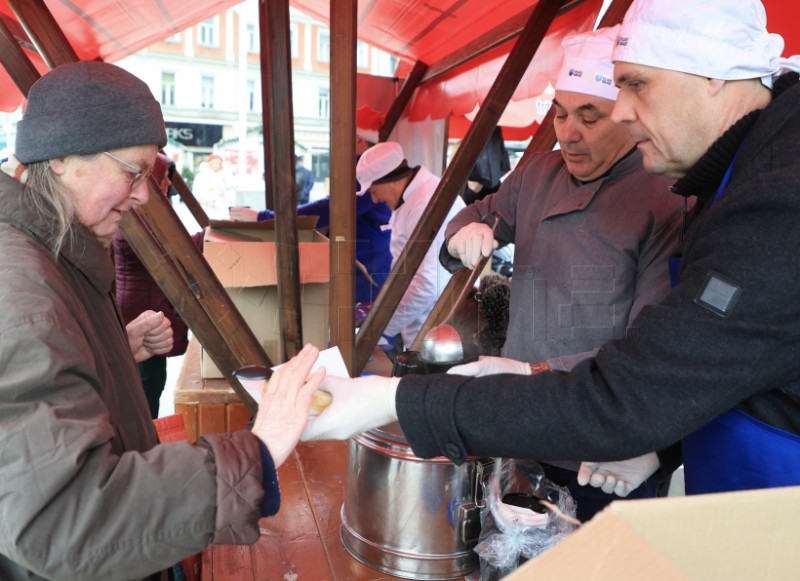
x: 718, y: 294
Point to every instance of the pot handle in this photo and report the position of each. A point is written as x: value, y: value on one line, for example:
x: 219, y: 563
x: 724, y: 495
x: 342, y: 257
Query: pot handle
x: 469, y: 516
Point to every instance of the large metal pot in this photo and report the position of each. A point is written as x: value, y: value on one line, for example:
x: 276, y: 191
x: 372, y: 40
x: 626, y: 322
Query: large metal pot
x: 406, y: 516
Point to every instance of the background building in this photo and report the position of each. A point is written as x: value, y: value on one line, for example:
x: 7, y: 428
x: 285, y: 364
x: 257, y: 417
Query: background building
x: 208, y: 81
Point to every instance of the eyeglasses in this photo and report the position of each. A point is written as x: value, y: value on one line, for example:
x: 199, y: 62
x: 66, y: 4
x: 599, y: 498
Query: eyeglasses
x: 137, y: 174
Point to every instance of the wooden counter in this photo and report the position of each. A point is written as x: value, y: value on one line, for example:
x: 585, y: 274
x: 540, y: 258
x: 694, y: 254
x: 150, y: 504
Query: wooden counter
x: 301, y: 542
x: 209, y: 406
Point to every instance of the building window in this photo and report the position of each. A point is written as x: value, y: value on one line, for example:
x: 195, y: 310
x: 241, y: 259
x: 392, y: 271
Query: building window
x: 362, y: 55
x: 208, y: 32
x: 168, y: 89
x: 252, y: 38
x: 324, y: 47
x: 251, y: 95
x: 321, y: 165
x: 207, y: 92
x: 294, y: 41
x: 324, y: 102
x: 174, y: 39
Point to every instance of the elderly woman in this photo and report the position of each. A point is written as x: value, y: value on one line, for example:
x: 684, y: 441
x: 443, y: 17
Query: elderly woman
x: 86, y: 490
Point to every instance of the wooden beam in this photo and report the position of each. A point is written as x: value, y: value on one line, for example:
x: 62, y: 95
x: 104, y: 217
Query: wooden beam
x: 502, y: 33
x: 344, y: 15
x: 178, y: 267
x: 228, y: 339
x: 43, y: 30
x: 276, y: 94
x: 18, y: 65
x: 454, y: 178
x: 191, y: 202
x: 193, y: 289
x: 445, y: 305
x: 401, y: 101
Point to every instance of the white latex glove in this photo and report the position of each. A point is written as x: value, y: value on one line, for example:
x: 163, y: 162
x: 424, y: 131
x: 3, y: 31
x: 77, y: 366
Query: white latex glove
x: 284, y: 407
x: 471, y: 243
x: 242, y: 214
x: 358, y: 405
x: 149, y: 334
x: 491, y: 366
x: 620, y: 477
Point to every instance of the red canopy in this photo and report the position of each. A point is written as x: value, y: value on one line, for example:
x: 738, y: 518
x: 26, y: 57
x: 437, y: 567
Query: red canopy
x: 414, y: 30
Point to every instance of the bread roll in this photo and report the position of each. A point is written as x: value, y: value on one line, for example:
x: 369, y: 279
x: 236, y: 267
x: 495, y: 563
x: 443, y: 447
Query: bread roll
x: 320, y: 400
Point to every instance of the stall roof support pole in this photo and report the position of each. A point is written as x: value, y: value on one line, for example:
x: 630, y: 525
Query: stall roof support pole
x: 18, y: 65
x: 194, y: 207
x: 500, y: 34
x: 401, y: 101
x: 343, y: 178
x: 276, y: 84
x: 454, y: 178
x: 43, y: 30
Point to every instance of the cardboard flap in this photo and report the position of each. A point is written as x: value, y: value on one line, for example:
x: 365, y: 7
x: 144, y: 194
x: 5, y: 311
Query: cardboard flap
x: 303, y: 223
x: 605, y: 549
x: 247, y: 257
x: 746, y: 535
x: 735, y: 535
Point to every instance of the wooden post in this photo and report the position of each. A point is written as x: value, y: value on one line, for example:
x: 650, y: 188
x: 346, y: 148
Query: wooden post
x: 276, y: 94
x: 18, y: 65
x: 44, y: 31
x: 226, y: 338
x: 454, y: 178
x: 191, y: 202
x: 401, y: 101
x: 500, y: 34
x: 343, y: 178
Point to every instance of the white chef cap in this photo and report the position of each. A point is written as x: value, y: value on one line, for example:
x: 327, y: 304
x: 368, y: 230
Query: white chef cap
x: 718, y: 39
x: 587, y: 66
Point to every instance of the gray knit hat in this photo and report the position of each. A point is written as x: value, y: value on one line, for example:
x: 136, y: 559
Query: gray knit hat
x: 87, y: 107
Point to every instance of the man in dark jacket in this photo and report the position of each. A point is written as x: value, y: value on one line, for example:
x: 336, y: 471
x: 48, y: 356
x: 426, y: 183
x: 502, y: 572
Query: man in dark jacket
x: 714, y: 366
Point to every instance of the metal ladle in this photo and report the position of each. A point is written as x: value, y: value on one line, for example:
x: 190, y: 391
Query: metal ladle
x: 443, y: 343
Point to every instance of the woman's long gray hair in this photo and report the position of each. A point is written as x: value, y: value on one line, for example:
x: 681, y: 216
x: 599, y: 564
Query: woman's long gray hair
x: 47, y: 195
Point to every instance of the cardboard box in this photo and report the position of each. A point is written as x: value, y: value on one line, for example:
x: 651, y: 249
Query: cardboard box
x: 244, y: 258
x: 734, y: 536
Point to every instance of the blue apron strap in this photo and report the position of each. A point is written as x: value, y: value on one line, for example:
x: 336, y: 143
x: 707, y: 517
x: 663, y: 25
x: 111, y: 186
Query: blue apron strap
x: 738, y: 452
x: 675, y: 262
x: 674, y: 265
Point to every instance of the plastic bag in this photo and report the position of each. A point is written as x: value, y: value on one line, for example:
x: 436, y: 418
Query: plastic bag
x: 515, y: 524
